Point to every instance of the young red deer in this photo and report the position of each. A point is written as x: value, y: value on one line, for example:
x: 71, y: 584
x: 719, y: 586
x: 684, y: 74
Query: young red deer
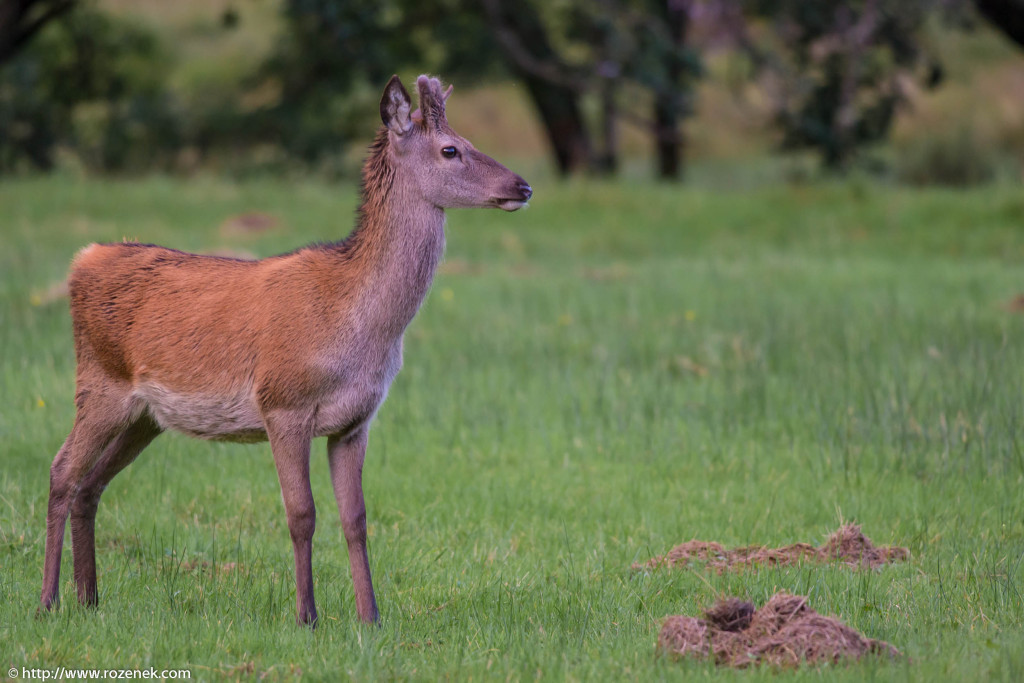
x: 285, y: 349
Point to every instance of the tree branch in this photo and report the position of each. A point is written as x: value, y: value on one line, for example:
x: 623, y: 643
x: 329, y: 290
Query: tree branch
x: 20, y: 29
x: 1005, y: 15
x: 550, y: 70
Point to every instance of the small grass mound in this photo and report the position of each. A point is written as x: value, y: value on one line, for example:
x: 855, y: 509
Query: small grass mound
x: 846, y: 546
x: 784, y: 633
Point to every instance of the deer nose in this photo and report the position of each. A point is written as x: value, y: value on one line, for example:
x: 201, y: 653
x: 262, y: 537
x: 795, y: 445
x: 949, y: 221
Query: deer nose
x: 526, y: 190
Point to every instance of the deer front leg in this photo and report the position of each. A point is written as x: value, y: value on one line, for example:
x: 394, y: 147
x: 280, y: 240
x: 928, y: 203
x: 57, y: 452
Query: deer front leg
x: 345, y: 455
x: 289, y: 440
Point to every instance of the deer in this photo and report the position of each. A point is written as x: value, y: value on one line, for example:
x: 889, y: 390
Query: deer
x: 284, y: 349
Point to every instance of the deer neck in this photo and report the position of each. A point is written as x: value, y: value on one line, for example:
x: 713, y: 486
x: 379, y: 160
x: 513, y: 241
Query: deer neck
x: 397, y: 243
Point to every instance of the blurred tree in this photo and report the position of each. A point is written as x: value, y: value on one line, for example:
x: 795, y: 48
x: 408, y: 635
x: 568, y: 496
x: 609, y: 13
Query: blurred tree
x: 613, y: 44
x: 335, y: 54
x: 20, y: 20
x: 836, y: 68
x: 668, y: 65
x: 330, y: 50
x: 92, y: 84
x: 554, y: 86
x: 334, y: 51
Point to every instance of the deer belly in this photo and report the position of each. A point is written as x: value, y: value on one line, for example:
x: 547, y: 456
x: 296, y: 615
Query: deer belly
x: 227, y: 417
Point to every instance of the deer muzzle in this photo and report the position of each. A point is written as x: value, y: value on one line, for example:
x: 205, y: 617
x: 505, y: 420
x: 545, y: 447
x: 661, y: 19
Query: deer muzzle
x: 518, y: 199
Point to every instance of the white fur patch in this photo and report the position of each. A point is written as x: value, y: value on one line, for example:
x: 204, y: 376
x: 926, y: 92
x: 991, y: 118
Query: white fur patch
x: 230, y: 417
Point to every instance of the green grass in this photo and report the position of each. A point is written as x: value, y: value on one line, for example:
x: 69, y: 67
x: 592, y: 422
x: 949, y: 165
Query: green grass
x: 616, y: 370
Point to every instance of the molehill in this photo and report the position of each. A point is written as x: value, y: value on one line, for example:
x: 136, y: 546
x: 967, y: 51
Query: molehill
x: 784, y: 633
x: 847, y: 546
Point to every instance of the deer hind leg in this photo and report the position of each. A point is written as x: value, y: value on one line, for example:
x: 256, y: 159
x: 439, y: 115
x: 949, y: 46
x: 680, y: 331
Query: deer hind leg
x: 102, y: 415
x: 118, y: 454
x: 345, y: 455
x: 290, y: 438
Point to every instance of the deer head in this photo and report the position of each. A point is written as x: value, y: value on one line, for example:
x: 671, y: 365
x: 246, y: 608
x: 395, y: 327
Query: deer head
x: 444, y: 167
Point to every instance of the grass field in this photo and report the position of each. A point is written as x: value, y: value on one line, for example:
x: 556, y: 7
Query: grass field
x: 618, y: 369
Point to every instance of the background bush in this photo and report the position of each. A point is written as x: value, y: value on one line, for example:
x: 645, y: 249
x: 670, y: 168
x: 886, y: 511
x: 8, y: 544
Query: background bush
x: 956, y: 158
x: 94, y: 84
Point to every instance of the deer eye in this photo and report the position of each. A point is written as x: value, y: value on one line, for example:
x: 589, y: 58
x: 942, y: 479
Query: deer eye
x: 449, y: 152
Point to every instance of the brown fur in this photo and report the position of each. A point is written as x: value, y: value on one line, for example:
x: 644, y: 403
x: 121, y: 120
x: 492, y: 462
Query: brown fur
x: 283, y: 349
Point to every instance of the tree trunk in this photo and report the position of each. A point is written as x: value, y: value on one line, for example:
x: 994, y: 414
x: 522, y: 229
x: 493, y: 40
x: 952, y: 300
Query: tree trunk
x: 607, y: 161
x: 668, y: 138
x: 563, y: 123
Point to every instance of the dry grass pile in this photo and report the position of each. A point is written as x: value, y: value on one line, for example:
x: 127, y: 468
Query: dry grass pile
x: 847, y: 546
x: 785, y: 632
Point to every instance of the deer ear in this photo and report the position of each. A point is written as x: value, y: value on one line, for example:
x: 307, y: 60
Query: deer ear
x: 394, y: 107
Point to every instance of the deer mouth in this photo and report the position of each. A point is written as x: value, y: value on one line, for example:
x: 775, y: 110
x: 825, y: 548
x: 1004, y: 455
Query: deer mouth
x: 510, y: 204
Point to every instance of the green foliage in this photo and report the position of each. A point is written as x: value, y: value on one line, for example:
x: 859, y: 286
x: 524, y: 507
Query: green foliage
x: 334, y: 57
x: 838, y: 67
x: 639, y: 42
x: 91, y: 83
x: 621, y: 368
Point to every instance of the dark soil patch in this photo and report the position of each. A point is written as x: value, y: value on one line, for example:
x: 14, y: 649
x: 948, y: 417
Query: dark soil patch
x: 847, y: 546
x: 1015, y: 305
x: 783, y: 633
